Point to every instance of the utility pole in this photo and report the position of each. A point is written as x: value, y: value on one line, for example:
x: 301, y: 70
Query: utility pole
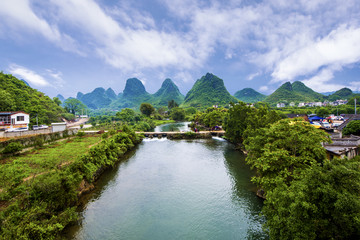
x: 37, y: 121
x: 355, y: 104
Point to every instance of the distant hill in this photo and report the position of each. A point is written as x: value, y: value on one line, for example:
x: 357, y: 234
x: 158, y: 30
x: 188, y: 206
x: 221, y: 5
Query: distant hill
x: 344, y: 93
x: 295, y: 92
x: 15, y: 95
x: 208, y: 91
x: 133, y: 95
x: 110, y: 93
x: 96, y: 99
x: 60, y: 97
x: 168, y: 91
x: 249, y: 95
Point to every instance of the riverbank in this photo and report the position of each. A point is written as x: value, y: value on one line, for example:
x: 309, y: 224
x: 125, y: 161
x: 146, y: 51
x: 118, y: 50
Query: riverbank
x: 41, y: 206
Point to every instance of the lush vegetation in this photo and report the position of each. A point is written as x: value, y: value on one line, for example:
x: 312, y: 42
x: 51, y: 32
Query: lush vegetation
x: 249, y: 95
x: 243, y: 120
x: 16, y: 95
x: 322, y: 202
x: 353, y: 127
x: 307, y: 196
x: 206, y: 92
x: 41, y: 206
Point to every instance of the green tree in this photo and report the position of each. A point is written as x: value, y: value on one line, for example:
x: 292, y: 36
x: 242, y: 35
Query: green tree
x: 177, y: 114
x: 126, y: 115
x: 7, y: 102
x: 353, y: 127
x: 172, y: 104
x: 214, y: 118
x: 235, y: 122
x: 322, y: 203
x: 57, y: 101
x: 146, y: 109
x: 73, y: 105
x: 322, y: 112
x: 283, y: 150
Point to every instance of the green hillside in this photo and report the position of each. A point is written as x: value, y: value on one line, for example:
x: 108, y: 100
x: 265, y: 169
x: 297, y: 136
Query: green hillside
x: 296, y: 92
x: 305, y: 91
x: 15, y: 95
x: 208, y: 91
x: 249, y: 95
x: 96, y: 99
x: 168, y: 91
x: 133, y: 95
x: 344, y: 93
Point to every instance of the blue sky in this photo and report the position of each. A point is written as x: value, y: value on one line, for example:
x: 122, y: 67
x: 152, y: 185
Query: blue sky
x: 67, y: 46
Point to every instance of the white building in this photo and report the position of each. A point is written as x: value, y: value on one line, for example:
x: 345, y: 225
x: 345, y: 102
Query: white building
x: 302, y: 104
x: 58, y: 127
x: 10, y: 120
x: 280, y: 105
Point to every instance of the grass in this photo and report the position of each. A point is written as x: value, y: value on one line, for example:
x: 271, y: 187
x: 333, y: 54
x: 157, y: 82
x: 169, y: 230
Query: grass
x: 18, y: 169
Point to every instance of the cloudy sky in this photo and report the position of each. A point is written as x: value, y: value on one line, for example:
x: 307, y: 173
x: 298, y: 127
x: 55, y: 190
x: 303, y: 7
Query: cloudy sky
x: 66, y: 46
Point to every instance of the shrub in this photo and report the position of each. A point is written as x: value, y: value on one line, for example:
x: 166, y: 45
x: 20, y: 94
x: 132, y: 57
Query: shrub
x: 13, y: 147
x: 80, y: 134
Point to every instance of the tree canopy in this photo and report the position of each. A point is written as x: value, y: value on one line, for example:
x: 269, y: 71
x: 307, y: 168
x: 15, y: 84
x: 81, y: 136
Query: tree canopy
x: 283, y: 150
x: 353, y: 127
x: 146, y: 109
x: 322, y: 203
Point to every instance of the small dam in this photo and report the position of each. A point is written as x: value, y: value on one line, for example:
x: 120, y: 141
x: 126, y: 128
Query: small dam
x: 183, y: 135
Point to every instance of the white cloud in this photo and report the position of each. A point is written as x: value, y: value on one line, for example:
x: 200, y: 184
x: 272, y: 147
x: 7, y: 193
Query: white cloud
x: 341, y: 47
x: 355, y: 86
x: 57, y: 77
x: 28, y: 75
x: 321, y: 82
x: 19, y: 16
x: 252, y: 76
x: 264, y: 89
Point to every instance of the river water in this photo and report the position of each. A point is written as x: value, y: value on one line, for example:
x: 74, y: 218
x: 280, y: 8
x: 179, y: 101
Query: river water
x: 185, y: 189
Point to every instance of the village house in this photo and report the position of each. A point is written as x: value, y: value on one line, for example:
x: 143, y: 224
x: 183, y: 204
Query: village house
x: 11, y: 120
x: 280, y: 105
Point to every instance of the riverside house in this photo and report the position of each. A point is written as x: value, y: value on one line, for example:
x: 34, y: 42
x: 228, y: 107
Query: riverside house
x: 13, y: 120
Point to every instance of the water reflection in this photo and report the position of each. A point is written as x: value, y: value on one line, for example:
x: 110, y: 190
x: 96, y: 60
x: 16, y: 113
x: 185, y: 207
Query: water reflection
x: 243, y: 193
x: 174, y: 190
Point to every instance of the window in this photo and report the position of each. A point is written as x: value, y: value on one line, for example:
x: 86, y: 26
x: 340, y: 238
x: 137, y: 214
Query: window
x: 20, y: 118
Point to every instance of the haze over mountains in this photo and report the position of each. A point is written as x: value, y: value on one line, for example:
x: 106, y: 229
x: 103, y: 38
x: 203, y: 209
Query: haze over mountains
x: 207, y: 91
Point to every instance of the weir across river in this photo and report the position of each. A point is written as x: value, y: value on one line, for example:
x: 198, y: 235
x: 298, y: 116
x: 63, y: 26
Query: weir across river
x: 183, y: 135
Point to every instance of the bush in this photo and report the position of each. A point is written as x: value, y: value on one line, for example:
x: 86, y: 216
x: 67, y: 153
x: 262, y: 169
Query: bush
x: 80, y: 134
x: 39, y: 142
x: 353, y: 127
x: 13, y: 147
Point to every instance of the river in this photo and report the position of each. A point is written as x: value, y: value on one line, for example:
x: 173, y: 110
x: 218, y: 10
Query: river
x: 184, y: 189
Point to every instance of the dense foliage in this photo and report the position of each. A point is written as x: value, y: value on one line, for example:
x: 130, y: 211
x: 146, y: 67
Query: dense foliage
x: 146, y: 109
x: 210, y: 118
x: 208, y: 91
x: 15, y: 95
x: 321, y: 203
x: 352, y: 127
x: 249, y: 95
x: 283, y: 150
x: 243, y: 120
x: 74, y: 106
x: 42, y: 207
